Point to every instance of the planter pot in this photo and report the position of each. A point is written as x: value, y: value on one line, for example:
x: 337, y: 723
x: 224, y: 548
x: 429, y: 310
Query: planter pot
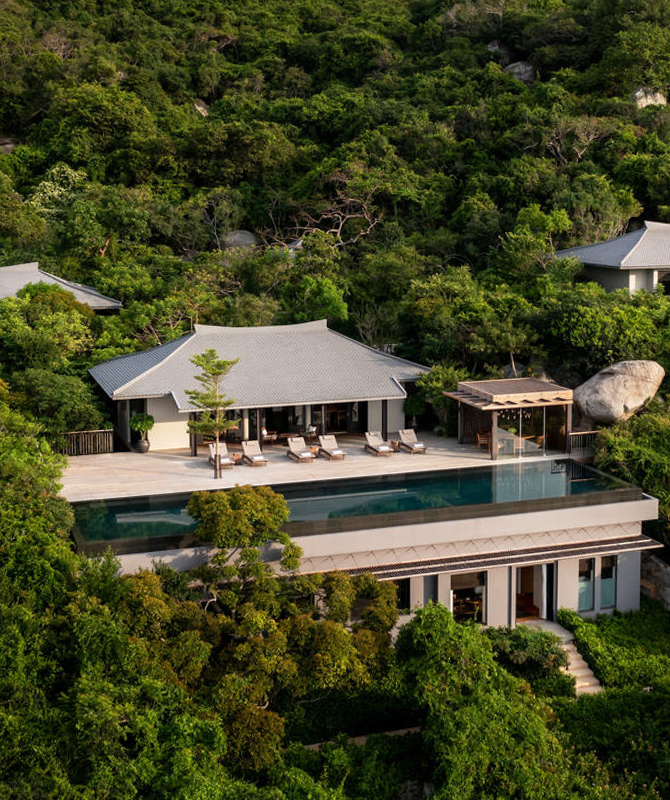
x: 142, y: 446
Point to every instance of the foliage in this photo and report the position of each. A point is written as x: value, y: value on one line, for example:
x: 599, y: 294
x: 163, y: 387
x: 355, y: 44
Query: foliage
x: 211, y: 400
x: 534, y: 655
x: 638, y: 451
x: 141, y: 423
x: 625, y: 650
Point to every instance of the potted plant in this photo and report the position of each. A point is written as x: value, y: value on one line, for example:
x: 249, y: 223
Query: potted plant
x: 415, y: 405
x: 142, y: 424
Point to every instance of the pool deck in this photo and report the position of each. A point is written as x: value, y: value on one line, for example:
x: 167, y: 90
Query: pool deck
x: 113, y: 475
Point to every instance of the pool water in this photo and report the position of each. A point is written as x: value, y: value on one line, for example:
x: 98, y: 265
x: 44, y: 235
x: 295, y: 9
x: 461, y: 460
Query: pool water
x: 366, y: 502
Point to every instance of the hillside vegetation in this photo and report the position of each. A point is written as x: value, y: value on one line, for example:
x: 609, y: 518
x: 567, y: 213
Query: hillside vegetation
x: 427, y: 185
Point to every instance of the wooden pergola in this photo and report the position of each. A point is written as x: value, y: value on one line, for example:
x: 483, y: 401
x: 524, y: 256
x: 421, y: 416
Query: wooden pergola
x: 481, y: 403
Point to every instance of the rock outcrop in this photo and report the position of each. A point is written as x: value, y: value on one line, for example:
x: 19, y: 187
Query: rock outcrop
x: 615, y: 393
x: 241, y: 239
x: 644, y: 97
x: 522, y: 71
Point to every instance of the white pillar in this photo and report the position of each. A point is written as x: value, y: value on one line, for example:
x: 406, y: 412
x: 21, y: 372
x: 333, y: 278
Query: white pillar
x: 245, y: 424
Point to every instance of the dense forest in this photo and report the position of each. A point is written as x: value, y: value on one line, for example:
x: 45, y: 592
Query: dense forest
x: 394, y: 176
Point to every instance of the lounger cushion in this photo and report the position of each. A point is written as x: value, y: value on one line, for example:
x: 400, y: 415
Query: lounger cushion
x: 258, y: 458
x: 383, y: 447
x: 337, y: 452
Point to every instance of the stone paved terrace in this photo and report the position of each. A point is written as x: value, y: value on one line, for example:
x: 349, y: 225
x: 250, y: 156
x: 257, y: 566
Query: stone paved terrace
x: 169, y: 472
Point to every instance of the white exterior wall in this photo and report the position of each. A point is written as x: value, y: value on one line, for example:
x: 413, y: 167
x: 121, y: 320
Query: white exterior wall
x: 627, y: 581
x: 374, y: 415
x: 395, y: 416
x: 170, y: 429
x: 631, y: 279
x: 567, y: 574
x: 497, y: 596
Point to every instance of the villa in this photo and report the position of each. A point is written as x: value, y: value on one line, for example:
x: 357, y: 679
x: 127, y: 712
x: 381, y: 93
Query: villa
x: 501, y: 526
x: 17, y: 276
x: 288, y: 378
x: 636, y: 260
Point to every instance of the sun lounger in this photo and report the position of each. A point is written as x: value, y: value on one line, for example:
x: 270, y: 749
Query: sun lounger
x: 409, y: 442
x: 298, y: 450
x: 252, y: 454
x: 375, y: 444
x: 225, y: 461
x: 329, y: 448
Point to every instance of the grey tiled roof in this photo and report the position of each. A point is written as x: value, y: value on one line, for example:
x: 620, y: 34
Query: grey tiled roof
x: 647, y: 248
x: 15, y: 277
x: 279, y: 365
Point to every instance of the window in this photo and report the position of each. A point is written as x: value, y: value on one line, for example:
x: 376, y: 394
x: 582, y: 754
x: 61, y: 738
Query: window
x: 468, y: 592
x: 585, y: 597
x: 608, y: 582
x: 402, y: 587
x: 429, y: 589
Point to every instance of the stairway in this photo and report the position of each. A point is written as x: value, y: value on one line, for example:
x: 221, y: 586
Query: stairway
x: 585, y: 681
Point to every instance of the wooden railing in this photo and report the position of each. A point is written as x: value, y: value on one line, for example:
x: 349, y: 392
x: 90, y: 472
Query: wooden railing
x: 86, y: 443
x: 583, y: 440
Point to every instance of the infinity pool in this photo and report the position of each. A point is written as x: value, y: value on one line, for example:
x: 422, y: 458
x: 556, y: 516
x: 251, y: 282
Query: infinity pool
x: 160, y: 522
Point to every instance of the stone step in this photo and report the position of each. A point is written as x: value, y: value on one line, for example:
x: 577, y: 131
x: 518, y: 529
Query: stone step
x: 585, y: 681
x: 594, y: 689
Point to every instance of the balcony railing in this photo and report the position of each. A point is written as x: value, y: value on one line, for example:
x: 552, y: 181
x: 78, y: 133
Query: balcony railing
x: 583, y: 442
x: 86, y: 443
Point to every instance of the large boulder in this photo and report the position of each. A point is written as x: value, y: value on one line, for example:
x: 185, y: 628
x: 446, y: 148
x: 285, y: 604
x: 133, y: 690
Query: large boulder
x: 617, y: 392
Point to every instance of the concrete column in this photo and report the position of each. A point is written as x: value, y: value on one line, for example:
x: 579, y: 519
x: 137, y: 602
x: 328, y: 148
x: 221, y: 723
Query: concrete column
x: 444, y: 589
x: 259, y: 425
x: 308, y: 416
x: 416, y: 592
x: 497, y: 596
x: 568, y: 426
x: 494, y: 435
x: 245, y: 424
x: 323, y: 421
x: 385, y: 419
x: 567, y: 583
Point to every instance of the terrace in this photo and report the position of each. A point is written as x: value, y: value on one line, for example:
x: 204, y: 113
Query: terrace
x: 114, y: 475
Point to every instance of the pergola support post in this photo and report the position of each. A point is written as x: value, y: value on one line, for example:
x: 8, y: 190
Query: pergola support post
x: 385, y: 419
x: 323, y: 421
x: 568, y: 426
x: 494, y: 435
x: 460, y: 423
x: 259, y: 435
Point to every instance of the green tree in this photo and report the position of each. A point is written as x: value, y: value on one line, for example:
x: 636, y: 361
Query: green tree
x: 211, y: 400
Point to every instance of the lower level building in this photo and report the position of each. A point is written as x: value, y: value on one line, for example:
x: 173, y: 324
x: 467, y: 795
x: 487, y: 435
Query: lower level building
x: 496, y: 544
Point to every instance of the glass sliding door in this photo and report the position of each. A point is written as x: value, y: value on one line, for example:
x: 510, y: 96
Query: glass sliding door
x: 509, y: 428
x: 585, y: 600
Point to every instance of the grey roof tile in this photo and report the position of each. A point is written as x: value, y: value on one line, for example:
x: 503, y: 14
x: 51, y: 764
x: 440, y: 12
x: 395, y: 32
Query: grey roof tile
x: 647, y: 248
x: 278, y: 365
x: 16, y: 276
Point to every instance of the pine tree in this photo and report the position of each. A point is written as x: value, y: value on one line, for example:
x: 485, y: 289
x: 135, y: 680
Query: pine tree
x: 211, y: 400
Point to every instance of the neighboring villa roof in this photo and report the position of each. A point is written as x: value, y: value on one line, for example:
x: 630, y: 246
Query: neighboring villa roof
x: 15, y: 277
x: 279, y: 365
x: 496, y: 395
x: 646, y: 248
